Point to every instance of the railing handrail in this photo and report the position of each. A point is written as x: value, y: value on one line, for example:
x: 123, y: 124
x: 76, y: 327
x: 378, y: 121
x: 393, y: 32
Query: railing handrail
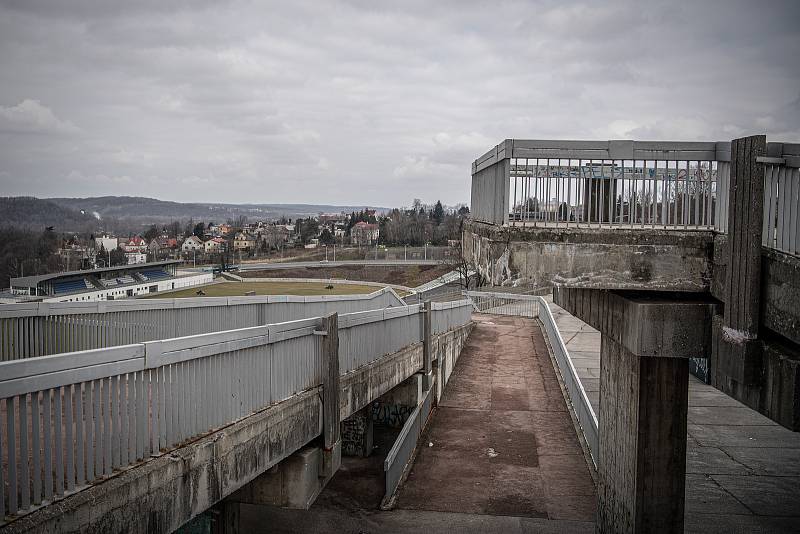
x: 614, y: 149
x: 29, y: 375
x: 33, y: 309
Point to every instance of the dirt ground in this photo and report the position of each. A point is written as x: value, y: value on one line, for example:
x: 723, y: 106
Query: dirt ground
x: 405, y: 275
x: 238, y: 289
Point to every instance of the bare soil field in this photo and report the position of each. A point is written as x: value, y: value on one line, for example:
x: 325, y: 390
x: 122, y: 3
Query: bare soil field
x: 404, y: 275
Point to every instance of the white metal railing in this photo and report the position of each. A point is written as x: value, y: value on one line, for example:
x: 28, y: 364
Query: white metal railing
x: 782, y: 208
x: 630, y: 184
x: 70, y: 419
x: 448, y: 315
x: 67, y: 420
x: 402, y: 451
x: 37, y: 329
x: 535, y: 306
x: 369, y: 335
x: 505, y: 303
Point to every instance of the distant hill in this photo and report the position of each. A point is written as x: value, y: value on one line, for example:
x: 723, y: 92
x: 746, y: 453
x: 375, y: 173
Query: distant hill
x: 37, y: 214
x: 150, y: 210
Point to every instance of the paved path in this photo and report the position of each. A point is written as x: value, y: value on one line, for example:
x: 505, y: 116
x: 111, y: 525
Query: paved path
x: 743, y: 470
x: 501, y: 442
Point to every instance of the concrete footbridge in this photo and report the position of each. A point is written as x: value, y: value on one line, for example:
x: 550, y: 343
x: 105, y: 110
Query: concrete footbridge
x: 683, y: 256
x: 111, y: 423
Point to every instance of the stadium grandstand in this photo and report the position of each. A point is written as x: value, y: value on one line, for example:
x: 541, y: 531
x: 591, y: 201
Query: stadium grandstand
x: 108, y: 283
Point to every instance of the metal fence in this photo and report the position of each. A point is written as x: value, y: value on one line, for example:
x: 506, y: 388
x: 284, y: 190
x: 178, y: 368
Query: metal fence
x: 535, y: 306
x: 630, y: 184
x: 504, y: 303
x: 581, y: 406
x: 67, y: 420
x: 70, y: 419
x: 403, y: 449
x: 370, y: 335
x: 448, y: 315
x: 38, y: 329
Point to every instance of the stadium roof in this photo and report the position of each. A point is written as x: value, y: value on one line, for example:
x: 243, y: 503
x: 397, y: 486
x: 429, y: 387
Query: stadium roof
x: 33, y: 281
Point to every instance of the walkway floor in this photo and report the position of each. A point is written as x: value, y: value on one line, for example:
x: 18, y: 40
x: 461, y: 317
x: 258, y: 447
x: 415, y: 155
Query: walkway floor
x: 743, y: 470
x: 502, y: 442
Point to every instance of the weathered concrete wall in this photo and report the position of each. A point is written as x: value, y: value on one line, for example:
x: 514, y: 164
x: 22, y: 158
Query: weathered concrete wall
x: 649, y: 258
x: 163, y: 493
x: 766, y: 376
x: 293, y: 483
x: 395, y: 407
x: 780, y: 288
x: 357, y: 433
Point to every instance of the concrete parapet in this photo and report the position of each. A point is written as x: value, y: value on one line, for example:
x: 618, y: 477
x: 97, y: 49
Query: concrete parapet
x: 163, y: 493
x: 608, y: 258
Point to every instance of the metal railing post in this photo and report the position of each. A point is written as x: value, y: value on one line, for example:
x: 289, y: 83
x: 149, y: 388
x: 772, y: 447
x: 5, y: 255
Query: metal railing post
x: 330, y: 394
x: 427, y: 357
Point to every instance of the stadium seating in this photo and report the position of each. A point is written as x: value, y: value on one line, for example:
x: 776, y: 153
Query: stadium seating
x: 154, y: 274
x: 71, y: 286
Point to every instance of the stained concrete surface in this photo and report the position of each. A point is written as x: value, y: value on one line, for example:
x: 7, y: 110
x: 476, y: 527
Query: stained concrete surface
x: 504, y: 396
x: 502, y: 442
x: 742, y: 469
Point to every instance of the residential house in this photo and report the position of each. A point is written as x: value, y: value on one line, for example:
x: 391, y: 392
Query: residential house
x: 192, y: 243
x: 135, y: 244
x: 364, y: 233
x: 244, y: 242
x: 215, y: 245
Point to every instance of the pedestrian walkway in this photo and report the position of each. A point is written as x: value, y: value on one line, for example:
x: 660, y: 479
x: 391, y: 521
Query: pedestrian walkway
x: 742, y: 469
x: 501, y: 442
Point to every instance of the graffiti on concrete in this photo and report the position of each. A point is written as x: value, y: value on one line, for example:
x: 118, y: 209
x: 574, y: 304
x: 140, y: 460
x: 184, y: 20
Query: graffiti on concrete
x: 356, y: 435
x: 392, y: 415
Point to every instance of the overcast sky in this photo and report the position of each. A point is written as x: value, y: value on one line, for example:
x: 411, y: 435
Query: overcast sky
x: 362, y: 103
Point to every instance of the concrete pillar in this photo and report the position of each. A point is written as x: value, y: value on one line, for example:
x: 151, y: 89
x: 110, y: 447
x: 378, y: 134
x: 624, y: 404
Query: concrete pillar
x: 646, y: 343
x: 736, y: 361
x: 330, y: 394
x: 357, y: 433
x: 427, y: 355
x: 293, y: 483
x: 395, y: 406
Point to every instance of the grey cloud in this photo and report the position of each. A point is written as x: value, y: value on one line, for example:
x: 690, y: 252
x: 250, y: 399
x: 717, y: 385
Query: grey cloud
x: 358, y: 102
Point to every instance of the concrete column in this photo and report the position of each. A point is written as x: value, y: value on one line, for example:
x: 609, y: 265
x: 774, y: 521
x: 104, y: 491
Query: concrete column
x: 294, y: 483
x: 330, y: 394
x: 736, y: 361
x: 646, y: 343
x: 427, y: 355
x: 357, y: 433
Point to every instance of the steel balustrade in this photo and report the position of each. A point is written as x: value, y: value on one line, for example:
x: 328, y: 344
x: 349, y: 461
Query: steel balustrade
x: 71, y: 419
x: 38, y: 329
x: 631, y: 185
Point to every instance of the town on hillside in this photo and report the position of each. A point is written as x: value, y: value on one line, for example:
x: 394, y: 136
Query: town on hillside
x: 355, y: 235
